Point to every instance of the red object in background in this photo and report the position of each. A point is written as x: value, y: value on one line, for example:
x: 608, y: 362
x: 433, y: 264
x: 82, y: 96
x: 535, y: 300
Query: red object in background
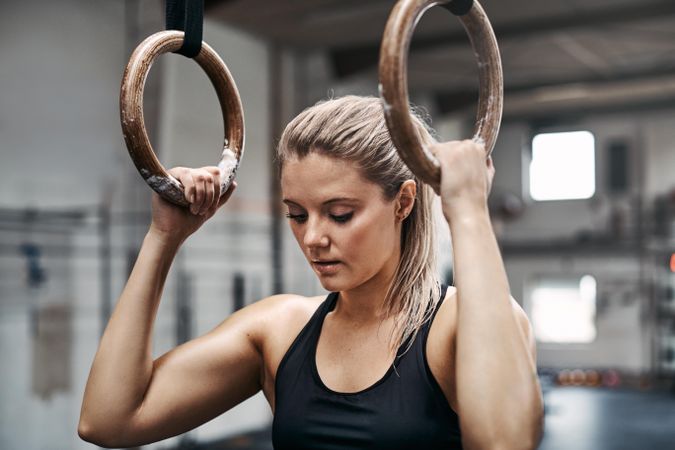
x: 611, y: 378
x: 672, y: 263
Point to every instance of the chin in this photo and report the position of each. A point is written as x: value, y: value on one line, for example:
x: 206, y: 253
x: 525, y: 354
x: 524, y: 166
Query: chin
x: 333, y: 284
x: 339, y: 282
x: 343, y: 280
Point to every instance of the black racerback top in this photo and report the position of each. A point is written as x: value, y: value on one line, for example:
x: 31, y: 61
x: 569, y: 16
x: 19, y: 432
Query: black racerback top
x: 405, y: 409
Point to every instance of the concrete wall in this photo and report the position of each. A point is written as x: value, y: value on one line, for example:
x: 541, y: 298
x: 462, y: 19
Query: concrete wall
x: 58, y: 108
x: 62, y: 148
x: 623, y: 339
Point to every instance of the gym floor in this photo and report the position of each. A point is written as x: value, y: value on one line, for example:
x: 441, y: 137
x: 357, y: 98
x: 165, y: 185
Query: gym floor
x: 602, y: 419
x: 577, y: 418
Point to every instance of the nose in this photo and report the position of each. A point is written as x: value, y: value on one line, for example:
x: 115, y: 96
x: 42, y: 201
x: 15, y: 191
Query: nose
x: 315, y: 234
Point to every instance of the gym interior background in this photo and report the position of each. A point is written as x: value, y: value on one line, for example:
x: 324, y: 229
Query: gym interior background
x: 583, y: 201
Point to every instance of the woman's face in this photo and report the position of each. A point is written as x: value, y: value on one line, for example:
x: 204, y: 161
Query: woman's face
x: 346, y: 230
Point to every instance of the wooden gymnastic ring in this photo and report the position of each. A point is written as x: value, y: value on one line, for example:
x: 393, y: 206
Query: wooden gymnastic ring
x: 133, y: 125
x: 394, y: 84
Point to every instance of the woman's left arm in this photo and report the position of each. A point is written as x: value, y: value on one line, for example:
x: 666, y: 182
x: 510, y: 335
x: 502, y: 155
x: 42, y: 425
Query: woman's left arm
x: 498, y: 392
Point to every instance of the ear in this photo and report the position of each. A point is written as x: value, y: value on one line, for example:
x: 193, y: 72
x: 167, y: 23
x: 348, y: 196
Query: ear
x: 405, y: 199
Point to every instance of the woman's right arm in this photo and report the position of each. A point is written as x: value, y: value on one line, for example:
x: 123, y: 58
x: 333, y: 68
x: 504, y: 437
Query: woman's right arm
x: 132, y: 400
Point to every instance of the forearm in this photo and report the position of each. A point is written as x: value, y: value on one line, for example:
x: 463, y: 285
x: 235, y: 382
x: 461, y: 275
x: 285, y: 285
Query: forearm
x: 123, y: 364
x: 497, y: 385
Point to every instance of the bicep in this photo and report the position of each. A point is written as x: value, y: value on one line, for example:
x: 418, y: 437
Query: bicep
x: 199, y: 380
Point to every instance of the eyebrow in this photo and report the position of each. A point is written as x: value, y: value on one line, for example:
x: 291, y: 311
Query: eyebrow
x: 327, y: 202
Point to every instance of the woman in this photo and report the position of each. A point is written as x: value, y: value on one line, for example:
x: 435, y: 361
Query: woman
x: 390, y: 359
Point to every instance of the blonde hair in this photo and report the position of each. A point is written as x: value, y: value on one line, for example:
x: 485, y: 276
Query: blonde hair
x: 353, y: 128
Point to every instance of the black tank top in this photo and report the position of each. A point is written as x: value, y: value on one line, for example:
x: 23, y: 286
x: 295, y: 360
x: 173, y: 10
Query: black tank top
x: 405, y: 409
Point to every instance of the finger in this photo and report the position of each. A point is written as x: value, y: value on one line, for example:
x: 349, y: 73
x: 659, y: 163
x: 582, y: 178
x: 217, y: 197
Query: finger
x: 185, y: 178
x: 209, y: 193
x: 200, y: 192
x: 215, y: 173
x: 178, y: 173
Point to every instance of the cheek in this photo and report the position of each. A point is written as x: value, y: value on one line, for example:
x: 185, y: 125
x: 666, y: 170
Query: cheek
x: 371, y: 240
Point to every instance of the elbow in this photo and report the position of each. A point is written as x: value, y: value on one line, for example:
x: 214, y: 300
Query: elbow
x: 91, y: 434
x: 525, y: 430
x: 101, y: 436
x: 522, y: 443
x: 526, y: 438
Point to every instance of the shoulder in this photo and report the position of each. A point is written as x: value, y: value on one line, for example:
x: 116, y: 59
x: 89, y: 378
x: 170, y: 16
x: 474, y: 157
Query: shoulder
x: 275, y: 317
x: 274, y: 323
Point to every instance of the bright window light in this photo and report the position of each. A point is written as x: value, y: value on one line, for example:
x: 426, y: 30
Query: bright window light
x: 563, y: 311
x: 563, y: 166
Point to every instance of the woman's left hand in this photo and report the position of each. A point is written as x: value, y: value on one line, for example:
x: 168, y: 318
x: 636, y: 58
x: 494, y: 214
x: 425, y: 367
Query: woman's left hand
x: 466, y: 175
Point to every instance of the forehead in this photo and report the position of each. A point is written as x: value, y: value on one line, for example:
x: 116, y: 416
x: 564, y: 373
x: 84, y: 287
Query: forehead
x: 317, y: 178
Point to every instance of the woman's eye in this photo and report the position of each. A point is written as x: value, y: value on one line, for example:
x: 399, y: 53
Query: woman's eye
x: 297, y: 217
x: 342, y: 218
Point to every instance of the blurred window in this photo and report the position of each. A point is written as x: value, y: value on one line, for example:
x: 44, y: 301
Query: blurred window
x: 563, y: 310
x: 562, y: 166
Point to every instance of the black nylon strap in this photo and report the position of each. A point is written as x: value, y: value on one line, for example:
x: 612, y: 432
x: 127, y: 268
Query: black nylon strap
x: 187, y: 16
x: 458, y: 7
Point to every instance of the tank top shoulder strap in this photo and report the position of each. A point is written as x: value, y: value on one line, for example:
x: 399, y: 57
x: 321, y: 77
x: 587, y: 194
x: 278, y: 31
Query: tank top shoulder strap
x: 304, y: 338
x: 424, y: 330
x: 444, y: 292
x: 421, y: 354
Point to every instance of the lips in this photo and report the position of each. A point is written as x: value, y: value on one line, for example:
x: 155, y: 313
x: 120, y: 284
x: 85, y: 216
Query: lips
x: 326, y: 267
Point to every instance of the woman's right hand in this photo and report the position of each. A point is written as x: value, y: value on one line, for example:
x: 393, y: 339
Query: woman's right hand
x: 202, y: 190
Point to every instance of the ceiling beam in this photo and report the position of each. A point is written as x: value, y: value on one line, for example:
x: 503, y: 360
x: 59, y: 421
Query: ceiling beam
x: 352, y: 60
x: 555, y: 116
x: 448, y: 102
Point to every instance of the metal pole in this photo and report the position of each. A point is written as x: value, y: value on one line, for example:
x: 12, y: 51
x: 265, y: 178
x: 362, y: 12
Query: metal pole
x: 105, y: 243
x: 275, y: 93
